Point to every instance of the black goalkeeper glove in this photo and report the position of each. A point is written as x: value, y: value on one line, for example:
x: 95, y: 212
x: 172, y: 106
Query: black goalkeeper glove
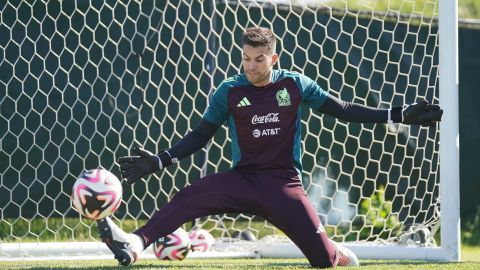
x: 142, y: 164
x: 421, y: 113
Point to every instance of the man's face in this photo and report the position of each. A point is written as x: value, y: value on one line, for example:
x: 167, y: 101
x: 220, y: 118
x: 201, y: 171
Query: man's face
x: 258, y: 64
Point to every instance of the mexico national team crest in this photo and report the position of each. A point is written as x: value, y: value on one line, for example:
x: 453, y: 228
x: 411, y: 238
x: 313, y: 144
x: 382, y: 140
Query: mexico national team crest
x: 283, y: 97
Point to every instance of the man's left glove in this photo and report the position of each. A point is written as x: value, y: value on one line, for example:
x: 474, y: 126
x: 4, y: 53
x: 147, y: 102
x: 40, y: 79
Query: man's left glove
x: 135, y: 167
x: 421, y: 113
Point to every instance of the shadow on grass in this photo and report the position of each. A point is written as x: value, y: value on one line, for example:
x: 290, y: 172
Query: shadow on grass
x: 250, y: 265
x: 416, y: 263
x: 196, y: 264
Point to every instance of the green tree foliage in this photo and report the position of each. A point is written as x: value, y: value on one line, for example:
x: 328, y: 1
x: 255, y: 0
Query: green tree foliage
x: 378, y: 216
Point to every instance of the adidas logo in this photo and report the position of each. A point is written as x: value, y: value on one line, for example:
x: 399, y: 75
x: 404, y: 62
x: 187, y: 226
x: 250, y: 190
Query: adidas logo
x: 244, y: 102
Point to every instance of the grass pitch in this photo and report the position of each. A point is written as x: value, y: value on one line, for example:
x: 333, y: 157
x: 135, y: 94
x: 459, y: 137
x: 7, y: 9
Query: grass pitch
x: 470, y: 261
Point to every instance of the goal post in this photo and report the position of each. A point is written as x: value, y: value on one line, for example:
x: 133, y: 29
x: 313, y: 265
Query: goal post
x: 82, y: 83
x: 449, y: 140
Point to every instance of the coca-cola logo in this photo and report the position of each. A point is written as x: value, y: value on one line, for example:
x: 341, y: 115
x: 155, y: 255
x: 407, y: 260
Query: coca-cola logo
x: 269, y: 118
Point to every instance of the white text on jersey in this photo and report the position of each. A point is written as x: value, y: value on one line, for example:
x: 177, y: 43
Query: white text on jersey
x: 269, y: 118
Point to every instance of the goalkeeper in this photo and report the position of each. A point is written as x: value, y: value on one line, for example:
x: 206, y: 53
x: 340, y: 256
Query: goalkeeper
x: 262, y: 110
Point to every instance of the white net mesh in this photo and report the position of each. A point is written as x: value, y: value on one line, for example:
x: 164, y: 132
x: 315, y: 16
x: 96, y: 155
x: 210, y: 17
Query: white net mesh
x: 82, y: 83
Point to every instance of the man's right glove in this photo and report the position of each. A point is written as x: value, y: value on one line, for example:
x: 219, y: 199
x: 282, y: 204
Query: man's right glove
x: 421, y: 113
x: 142, y: 164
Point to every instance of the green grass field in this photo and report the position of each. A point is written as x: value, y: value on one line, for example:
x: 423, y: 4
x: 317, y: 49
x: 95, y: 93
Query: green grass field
x: 470, y: 260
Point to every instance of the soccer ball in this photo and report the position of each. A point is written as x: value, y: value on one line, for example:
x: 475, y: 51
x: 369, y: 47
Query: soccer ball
x: 96, y: 194
x: 173, y: 247
x: 201, y: 240
x: 246, y: 235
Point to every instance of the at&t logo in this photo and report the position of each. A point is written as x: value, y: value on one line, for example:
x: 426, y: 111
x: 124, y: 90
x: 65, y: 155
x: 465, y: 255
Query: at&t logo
x: 266, y: 132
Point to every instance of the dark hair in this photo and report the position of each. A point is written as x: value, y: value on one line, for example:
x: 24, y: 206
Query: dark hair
x: 259, y: 36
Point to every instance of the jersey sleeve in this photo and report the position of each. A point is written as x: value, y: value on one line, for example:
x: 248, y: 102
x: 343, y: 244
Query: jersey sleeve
x: 312, y: 94
x: 217, y: 111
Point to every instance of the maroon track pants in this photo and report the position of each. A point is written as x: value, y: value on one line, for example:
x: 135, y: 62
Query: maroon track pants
x: 279, y: 198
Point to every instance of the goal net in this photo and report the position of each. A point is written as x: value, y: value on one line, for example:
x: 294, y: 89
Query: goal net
x: 82, y: 83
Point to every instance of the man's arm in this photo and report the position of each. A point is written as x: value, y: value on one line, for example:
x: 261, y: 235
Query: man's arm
x: 421, y: 113
x: 352, y: 112
x: 191, y: 143
x: 144, y: 162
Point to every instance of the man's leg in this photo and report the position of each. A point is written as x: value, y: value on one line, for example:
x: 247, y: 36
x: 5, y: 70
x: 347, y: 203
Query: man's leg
x: 220, y: 193
x: 291, y: 211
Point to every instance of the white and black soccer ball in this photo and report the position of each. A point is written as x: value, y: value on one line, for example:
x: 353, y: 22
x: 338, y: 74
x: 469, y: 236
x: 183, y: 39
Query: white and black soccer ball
x: 96, y: 194
x: 245, y: 235
x: 201, y: 240
x: 173, y: 247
